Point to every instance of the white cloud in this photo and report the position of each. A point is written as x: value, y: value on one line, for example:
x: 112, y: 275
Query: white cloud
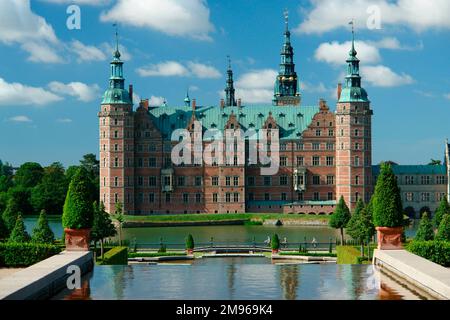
x: 19, y: 25
x: 416, y: 14
x: 203, y: 71
x: 173, y: 17
x: 447, y: 96
x: 41, y: 52
x: 20, y: 119
x: 19, y: 94
x: 176, y: 69
x: 256, y: 86
x: 86, y: 53
x: 156, y: 101
x: 193, y: 88
x: 80, y: 2
x: 336, y: 53
x: 382, y: 76
x: 64, y: 120
x: 81, y: 91
x: 164, y: 69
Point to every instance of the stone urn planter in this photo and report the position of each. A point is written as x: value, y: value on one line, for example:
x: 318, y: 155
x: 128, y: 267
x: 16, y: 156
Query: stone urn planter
x: 389, y: 238
x: 190, y: 251
x: 77, y: 239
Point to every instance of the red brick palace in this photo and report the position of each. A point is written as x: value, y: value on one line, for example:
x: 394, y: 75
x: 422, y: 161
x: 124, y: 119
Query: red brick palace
x: 323, y: 154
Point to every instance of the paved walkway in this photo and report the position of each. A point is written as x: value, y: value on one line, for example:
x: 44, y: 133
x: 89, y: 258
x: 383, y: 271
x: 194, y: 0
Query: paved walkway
x: 421, y: 272
x: 43, y: 278
x: 6, y: 272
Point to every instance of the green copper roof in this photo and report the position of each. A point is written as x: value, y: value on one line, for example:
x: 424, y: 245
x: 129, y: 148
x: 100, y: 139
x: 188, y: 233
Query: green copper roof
x: 116, y: 96
x: 292, y: 120
x: 354, y: 94
x: 413, y: 169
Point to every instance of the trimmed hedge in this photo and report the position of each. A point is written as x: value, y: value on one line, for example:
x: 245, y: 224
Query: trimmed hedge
x: 436, y: 251
x: 14, y: 254
x: 117, y: 255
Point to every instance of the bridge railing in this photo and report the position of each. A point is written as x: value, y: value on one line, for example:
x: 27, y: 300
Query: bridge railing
x: 289, y: 246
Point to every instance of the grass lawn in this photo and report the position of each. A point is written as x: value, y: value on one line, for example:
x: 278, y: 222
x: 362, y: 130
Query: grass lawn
x: 310, y: 254
x: 221, y: 217
x: 350, y: 254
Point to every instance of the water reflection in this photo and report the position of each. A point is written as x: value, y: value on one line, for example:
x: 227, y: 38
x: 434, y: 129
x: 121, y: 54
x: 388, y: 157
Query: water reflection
x: 240, y: 278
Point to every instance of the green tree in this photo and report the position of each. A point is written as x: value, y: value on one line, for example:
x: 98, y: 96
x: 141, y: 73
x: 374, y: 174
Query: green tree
x: 441, y: 211
x: 29, y: 174
x: 3, y: 201
x: 19, y: 232
x: 4, y: 232
x: 21, y: 195
x: 360, y: 227
x: 71, y: 171
x: 190, y: 242
x: 434, y: 162
x: 92, y: 166
x: 78, y: 211
x: 42, y: 232
x: 275, y: 242
x: 340, y: 217
x: 11, y: 213
x: 387, y: 203
x: 6, y: 169
x: 120, y: 218
x: 102, y: 227
x: 425, y: 231
x: 49, y: 194
x: 5, y: 183
x: 443, y: 233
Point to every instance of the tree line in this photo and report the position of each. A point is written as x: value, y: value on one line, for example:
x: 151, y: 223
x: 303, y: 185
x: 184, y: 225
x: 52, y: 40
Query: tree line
x: 33, y: 188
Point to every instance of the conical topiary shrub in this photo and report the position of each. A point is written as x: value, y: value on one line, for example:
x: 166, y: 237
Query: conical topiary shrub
x: 387, y: 210
x: 425, y: 231
x: 441, y: 211
x: 340, y: 217
x: 19, y: 232
x: 42, y: 232
x: 190, y: 244
x: 275, y: 243
x: 443, y: 233
x: 78, y: 213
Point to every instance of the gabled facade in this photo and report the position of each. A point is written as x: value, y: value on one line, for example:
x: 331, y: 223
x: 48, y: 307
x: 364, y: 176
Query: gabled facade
x: 317, y: 150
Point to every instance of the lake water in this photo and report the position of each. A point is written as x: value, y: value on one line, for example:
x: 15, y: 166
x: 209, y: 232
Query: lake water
x: 220, y: 234
x: 239, y: 278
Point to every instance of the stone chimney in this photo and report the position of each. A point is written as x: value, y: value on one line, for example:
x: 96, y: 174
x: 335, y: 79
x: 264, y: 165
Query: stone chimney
x: 222, y: 103
x: 239, y: 102
x: 194, y: 104
x: 339, y: 90
x: 323, y: 105
x: 130, y: 91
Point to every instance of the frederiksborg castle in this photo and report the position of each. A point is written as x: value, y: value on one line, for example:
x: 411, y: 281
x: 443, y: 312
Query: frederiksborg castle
x: 324, y: 153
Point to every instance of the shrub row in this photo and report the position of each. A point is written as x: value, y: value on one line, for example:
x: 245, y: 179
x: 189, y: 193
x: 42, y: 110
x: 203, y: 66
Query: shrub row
x: 25, y: 254
x: 436, y: 251
x: 117, y: 255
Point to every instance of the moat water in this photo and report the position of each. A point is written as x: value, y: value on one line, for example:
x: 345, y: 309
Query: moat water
x: 222, y: 234
x: 239, y: 278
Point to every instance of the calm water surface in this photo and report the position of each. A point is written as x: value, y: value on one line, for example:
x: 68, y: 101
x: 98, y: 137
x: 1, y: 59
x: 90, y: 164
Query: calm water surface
x: 222, y: 234
x: 239, y: 278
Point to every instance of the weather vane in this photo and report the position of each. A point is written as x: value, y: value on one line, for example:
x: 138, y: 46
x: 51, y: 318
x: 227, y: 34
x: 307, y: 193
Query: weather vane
x: 286, y: 15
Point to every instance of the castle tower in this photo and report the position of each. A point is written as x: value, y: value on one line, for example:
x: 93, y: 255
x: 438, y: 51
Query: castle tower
x: 230, y: 100
x: 117, y: 141
x: 286, y: 90
x: 353, y: 137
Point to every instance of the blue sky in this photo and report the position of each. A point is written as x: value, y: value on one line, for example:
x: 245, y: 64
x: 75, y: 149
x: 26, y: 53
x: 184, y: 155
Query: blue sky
x: 52, y: 78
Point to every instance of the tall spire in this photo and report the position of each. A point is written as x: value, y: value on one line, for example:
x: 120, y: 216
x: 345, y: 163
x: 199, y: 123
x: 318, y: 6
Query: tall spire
x: 229, y: 89
x: 353, y: 79
x: 187, y: 100
x: 116, y: 93
x: 352, y: 91
x: 286, y: 86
